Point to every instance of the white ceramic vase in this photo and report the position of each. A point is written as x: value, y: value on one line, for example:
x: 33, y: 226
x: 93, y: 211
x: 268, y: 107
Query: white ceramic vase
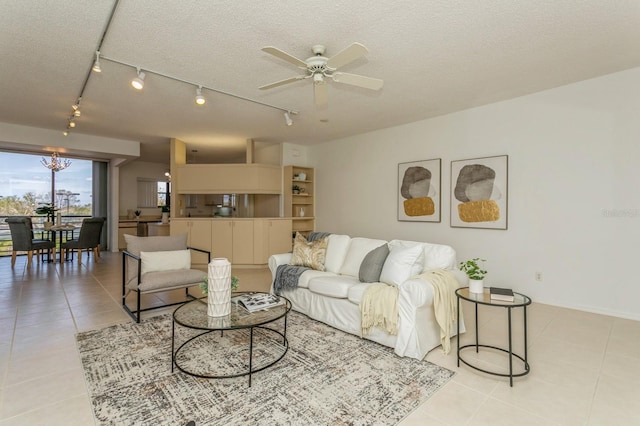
x: 219, y: 287
x: 165, y: 217
x: 476, y: 286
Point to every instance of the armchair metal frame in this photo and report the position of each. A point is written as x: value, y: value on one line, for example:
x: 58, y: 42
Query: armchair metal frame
x: 136, y: 313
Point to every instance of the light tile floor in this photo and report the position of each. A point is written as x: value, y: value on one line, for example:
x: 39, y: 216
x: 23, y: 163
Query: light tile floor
x: 585, y: 368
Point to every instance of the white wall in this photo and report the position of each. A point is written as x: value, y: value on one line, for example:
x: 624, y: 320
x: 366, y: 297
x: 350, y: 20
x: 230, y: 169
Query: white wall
x: 574, y: 201
x: 128, y: 184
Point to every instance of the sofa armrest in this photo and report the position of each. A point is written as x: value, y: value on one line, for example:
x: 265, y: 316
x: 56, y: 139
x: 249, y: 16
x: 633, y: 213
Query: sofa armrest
x: 276, y: 260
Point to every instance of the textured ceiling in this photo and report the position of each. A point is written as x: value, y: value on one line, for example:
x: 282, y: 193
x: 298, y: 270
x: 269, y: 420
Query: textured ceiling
x: 435, y: 57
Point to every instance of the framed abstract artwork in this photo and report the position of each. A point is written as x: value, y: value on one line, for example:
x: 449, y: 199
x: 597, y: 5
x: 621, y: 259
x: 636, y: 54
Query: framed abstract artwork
x: 419, y: 191
x: 479, y: 192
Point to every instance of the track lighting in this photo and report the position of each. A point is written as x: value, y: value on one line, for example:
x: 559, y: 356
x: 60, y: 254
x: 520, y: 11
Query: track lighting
x: 96, y: 64
x: 138, y: 82
x: 200, y: 100
x: 65, y: 133
x: 287, y: 118
x: 72, y: 124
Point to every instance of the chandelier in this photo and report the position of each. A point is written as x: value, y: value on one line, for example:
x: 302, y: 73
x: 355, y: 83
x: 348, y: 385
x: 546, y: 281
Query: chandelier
x: 56, y: 163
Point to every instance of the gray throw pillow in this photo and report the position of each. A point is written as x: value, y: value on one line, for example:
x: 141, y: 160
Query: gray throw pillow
x: 372, y: 264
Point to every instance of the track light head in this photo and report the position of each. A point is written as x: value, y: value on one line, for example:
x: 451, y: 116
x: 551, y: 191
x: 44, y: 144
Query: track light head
x: 65, y: 133
x: 72, y: 124
x: 96, y: 64
x: 138, y: 82
x: 200, y: 100
x: 287, y: 119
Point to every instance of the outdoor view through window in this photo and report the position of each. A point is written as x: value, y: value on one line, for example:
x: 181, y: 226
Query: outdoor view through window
x: 25, y: 185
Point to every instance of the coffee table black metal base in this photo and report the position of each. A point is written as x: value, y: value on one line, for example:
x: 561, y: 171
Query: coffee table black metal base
x: 193, y: 316
x: 249, y: 372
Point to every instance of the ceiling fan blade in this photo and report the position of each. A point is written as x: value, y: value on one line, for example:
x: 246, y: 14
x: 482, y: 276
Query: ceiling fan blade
x: 358, y: 80
x: 349, y: 54
x: 285, y: 56
x: 321, y: 94
x: 281, y: 82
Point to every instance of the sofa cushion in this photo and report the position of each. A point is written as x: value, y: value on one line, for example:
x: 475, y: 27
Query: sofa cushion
x: 436, y: 256
x: 372, y: 264
x: 401, y: 264
x: 168, y: 280
x: 308, y: 253
x: 356, y: 292
x: 337, y: 246
x: 358, y: 249
x: 157, y: 243
x: 310, y: 274
x: 156, y: 261
x: 336, y: 286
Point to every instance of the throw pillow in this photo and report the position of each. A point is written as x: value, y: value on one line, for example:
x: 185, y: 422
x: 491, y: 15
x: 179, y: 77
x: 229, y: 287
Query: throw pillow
x: 372, y: 264
x: 309, y: 253
x: 156, y: 261
x: 401, y: 264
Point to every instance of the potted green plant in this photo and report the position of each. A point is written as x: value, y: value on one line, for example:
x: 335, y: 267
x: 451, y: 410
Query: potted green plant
x: 204, y: 285
x: 295, y: 189
x: 474, y: 270
x: 50, y: 211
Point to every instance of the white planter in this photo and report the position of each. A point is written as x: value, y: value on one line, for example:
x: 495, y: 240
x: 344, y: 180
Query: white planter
x: 165, y: 217
x: 476, y: 286
x: 219, y: 288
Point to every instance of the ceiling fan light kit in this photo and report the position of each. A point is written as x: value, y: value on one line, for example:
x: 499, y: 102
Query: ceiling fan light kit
x: 320, y: 68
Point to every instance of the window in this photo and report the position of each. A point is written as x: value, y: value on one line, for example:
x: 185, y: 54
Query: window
x: 153, y: 193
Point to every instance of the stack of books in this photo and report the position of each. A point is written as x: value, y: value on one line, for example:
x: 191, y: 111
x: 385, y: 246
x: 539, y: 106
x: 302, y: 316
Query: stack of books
x: 502, y: 294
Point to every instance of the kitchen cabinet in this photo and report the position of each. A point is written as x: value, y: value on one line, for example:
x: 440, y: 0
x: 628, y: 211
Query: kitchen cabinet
x: 198, y: 236
x: 126, y: 227
x: 243, y: 241
x: 228, y: 179
x: 271, y: 236
x: 233, y: 239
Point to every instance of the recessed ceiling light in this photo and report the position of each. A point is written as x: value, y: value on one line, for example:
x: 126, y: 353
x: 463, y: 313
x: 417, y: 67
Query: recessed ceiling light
x: 324, y: 120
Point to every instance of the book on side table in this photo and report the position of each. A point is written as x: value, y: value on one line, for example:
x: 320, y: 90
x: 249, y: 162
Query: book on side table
x: 257, y: 301
x: 503, y: 294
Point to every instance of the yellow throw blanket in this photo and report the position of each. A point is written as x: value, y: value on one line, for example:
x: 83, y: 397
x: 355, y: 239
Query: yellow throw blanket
x: 445, y: 302
x: 379, y: 308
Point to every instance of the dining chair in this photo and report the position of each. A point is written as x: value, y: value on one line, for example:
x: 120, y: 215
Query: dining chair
x: 88, y: 239
x: 22, y: 239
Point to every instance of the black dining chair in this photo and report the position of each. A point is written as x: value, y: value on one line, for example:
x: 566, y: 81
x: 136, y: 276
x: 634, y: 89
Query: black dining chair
x: 22, y: 239
x: 88, y: 239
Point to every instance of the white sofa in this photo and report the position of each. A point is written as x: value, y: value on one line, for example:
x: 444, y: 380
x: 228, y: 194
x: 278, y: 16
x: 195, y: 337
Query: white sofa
x: 332, y: 296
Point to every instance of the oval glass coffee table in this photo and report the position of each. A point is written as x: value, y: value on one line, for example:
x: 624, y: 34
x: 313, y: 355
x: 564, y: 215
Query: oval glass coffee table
x: 224, y: 347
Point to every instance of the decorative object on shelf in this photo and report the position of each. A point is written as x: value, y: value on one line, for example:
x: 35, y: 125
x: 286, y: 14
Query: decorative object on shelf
x: 479, y: 192
x: 137, y: 213
x: 302, y: 176
x: 419, y: 191
x: 301, y: 213
x: 475, y: 273
x: 295, y: 189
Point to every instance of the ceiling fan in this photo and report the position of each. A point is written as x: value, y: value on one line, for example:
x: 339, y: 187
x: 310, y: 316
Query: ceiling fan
x: 321, y: 68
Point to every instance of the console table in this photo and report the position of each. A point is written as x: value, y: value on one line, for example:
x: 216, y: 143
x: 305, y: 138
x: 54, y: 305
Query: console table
x: 520, y: 301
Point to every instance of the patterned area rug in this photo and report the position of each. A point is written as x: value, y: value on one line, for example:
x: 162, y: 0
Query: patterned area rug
x: 327, y: 377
